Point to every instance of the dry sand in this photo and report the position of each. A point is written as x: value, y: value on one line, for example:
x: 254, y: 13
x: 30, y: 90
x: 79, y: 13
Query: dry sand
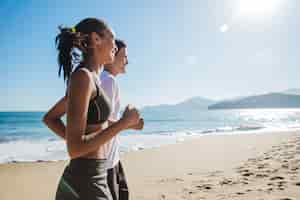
x: 246, y: 166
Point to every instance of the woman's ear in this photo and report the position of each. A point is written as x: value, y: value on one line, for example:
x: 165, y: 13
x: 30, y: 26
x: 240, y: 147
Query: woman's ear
x: 95, y: 38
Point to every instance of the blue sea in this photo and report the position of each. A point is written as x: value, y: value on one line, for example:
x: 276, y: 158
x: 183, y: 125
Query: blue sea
x: 23, y: 136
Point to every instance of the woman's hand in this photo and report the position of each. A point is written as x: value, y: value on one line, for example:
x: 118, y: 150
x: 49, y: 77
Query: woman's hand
x: 139, y: 125
x: 130, y: 116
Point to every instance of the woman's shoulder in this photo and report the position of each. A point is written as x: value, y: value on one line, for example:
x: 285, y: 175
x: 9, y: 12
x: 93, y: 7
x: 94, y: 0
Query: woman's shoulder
x: 81, y: 73
x: 81, y: 77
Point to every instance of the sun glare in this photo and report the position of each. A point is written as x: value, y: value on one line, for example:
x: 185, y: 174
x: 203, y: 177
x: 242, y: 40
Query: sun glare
x: 224, y: 28
x: 258, y: 8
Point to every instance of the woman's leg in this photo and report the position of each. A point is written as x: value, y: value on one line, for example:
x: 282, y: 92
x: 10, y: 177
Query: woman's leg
x: 65, y: 190
x: 84, y: 179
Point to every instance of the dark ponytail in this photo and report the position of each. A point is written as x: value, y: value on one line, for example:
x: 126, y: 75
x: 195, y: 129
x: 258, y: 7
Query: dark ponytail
x: 70, y: 38
x: 65, y: 42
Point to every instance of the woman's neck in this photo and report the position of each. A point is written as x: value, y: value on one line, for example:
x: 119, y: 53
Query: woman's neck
x: 93, y: 66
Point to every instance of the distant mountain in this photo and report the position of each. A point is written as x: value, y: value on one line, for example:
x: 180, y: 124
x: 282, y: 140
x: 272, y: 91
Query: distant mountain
x: 293, y: 91
x: 270, y: 100
x: 194, y: 103
x: 181, y: 109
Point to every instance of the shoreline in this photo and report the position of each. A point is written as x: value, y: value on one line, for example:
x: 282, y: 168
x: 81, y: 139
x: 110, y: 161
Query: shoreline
x: 152, y: 142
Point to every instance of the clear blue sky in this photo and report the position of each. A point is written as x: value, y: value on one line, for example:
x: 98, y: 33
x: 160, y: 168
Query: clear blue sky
x: 177, y: 49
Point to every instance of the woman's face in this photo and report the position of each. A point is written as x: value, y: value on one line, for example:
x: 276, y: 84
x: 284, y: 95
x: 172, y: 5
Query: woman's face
x: 105, y: 47
x: 121, y: 61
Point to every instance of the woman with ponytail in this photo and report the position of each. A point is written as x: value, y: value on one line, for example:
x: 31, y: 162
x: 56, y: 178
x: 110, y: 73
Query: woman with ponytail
x: 87, y: 108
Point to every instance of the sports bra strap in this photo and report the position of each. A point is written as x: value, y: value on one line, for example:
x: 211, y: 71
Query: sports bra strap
x: 94, y: 77
x: 97, y: 86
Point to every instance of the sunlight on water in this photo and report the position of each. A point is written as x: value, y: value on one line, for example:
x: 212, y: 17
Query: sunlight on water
x: 271, y: 117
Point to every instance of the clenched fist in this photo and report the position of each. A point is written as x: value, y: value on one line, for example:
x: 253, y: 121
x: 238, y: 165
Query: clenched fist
x: 131, y: 116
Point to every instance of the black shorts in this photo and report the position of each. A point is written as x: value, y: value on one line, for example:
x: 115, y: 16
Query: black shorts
x: 117, y: 184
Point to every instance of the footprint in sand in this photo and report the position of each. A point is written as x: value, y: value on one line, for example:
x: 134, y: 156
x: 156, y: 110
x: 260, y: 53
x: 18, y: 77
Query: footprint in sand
x: 226, y: 182
x: 297, y: 183
x: 261, y: 175
x: 270, y: 171
x: 241, y: 170
x: 244, y: 182
x: 170, y: 180
x: 253, y: 159
x: 248, y: 174
x: 267, y: 158
x: 294, y: 168
x: 281, y: 185
x: 262, y: 166
x: 286, y: 166
x: 205, y: 187
x: 276, y: 178
x: 280, y: 188
x: 240, y: 193
x: 214, y: 173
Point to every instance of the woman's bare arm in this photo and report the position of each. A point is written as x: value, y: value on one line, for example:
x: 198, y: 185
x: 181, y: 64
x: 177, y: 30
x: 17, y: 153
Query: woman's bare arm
x: 80, y: 91
x: 138, y: 126
x: 53, y: 118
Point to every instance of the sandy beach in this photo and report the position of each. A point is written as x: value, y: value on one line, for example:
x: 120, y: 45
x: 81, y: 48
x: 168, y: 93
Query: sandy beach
x: 242, y: 166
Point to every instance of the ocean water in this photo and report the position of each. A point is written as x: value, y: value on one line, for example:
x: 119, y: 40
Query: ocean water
x: 23, y: 136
